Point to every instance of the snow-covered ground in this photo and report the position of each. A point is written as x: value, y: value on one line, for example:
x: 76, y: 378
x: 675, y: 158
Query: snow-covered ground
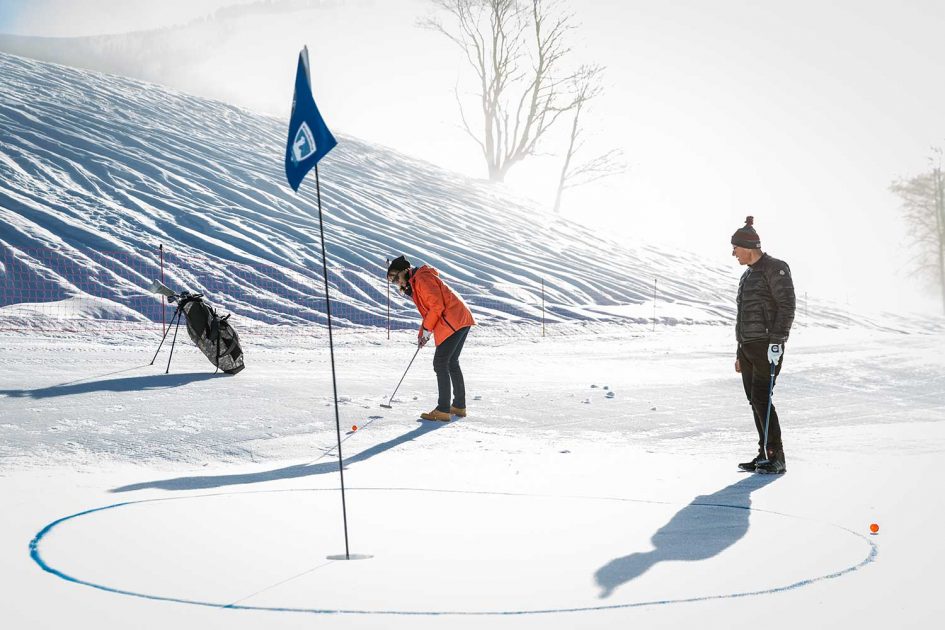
x: 195, y: 500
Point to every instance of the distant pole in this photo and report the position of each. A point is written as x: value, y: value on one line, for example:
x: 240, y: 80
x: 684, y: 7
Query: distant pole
x: 163, y: 303
x: 939, y: 183
x: 331, y: 346
x: 654, y: 304
x: 542, y: 307
x: 806, y: 311
x: 387, y: 283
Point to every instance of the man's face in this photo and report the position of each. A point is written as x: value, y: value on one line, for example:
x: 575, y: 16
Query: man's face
x: 398, y: 279
x: 742, y: 254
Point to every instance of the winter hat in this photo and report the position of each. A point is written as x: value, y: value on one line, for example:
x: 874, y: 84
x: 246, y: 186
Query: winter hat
x: 746, y: 236
x: 397, y: 265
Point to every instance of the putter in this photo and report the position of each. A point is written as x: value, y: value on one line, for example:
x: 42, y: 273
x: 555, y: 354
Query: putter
x: 768, y: 414
x: 388, y: 406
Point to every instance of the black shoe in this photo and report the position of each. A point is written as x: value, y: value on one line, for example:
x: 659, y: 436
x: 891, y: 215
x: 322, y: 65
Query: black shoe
x: 750, y: 466
x: 773, y: 465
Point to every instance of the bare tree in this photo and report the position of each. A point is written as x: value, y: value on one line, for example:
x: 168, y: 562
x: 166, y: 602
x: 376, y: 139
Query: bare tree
x: 923, y: 206
x: 516, y: 49
x: 586, y: 86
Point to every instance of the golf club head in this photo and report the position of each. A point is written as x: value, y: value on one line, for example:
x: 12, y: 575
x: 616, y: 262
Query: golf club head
x: 386, y: 406
x: 161, y: 289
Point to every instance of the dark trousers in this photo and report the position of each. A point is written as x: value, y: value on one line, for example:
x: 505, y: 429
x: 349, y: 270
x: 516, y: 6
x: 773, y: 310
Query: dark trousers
x: 446, y: 366
x: 756, y: 377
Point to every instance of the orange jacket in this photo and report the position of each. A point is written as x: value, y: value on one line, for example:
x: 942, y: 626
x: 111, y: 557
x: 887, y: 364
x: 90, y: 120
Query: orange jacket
x: 443, y: 311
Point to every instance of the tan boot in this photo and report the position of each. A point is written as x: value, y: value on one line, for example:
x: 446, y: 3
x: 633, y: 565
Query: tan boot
x: 458, y: 411
x: 436, y: 414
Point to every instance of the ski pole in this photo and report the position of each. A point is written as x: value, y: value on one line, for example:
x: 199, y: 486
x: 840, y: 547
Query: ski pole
x: 387, y: 406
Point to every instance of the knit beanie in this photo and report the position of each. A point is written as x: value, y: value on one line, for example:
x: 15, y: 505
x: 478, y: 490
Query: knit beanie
x: 746, y: 236
x: 397, y: 265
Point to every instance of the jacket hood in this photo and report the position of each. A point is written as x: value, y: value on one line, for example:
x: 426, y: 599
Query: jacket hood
x: 425, y: 269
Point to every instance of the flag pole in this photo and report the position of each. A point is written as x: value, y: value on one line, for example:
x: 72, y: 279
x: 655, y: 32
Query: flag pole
x: 309, y: 141
x: 386, y: 283
x: 331, y: 346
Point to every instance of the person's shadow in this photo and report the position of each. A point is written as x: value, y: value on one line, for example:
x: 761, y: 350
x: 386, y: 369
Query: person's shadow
x: 126, y: 384
x: 289, y: 472
x: 706, y: 527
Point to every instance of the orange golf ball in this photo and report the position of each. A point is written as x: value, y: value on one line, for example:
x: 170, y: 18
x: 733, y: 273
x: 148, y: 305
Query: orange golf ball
x: 354, y: 427
x: 874, y: 528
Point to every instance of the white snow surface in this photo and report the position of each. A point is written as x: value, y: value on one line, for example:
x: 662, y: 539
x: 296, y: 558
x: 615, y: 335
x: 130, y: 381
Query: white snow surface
x: 196, y: 500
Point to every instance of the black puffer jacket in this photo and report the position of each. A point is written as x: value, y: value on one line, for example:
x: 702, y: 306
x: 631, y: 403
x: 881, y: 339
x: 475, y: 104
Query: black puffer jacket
x: 765, y: 302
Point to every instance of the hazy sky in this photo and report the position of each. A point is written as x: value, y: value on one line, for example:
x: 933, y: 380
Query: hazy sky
x: 69, y: 18
x: 800, y: 113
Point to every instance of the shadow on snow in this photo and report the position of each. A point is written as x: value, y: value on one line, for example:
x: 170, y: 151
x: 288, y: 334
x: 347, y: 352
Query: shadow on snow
x: 706, y: 527
x: 289, y: 472
x: 127, y: 384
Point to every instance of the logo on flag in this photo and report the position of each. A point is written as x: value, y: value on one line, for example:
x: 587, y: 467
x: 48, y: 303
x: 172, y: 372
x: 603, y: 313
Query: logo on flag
x: 304, y: 145
x: 309, y: 137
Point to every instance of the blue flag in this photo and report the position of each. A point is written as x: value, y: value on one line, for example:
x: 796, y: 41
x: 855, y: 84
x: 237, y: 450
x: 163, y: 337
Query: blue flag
x: 309, y: 137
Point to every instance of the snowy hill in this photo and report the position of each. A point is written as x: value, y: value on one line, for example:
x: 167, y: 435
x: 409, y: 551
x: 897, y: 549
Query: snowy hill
x: 96, y: 171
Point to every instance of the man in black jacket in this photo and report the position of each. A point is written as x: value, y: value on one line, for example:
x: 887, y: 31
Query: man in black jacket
x: 765, y: 313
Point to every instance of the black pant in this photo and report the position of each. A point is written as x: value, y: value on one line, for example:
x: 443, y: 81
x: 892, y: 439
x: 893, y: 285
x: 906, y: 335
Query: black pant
x: 756, y: 377
x: 446, y: 366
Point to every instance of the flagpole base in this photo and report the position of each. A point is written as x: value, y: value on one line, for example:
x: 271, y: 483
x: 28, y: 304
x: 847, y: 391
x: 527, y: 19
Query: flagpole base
x: 353, y: 556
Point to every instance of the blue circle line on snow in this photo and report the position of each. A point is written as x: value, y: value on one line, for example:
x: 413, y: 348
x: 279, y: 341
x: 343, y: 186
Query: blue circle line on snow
x: 38, y: 559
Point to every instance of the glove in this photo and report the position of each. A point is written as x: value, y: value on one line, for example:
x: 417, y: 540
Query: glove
x: 774, y: 353
x: 423, y: 337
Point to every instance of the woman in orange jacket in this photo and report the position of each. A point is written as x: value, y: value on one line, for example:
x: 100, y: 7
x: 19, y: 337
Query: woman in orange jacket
x: 448, y: 319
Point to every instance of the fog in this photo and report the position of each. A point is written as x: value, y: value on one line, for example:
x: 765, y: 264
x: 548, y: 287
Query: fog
x: 800, y: 113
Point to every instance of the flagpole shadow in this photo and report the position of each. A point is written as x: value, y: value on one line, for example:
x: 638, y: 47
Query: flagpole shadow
x: 703, y: 529
x: 288, y: 472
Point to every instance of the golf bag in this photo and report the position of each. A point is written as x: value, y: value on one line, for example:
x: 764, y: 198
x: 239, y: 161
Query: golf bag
x: 213, y: 334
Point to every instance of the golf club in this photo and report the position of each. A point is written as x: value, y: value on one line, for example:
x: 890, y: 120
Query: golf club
x: 388, y: 406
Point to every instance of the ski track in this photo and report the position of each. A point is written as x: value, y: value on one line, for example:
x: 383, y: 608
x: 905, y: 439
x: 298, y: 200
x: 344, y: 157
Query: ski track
x: 97, y: 170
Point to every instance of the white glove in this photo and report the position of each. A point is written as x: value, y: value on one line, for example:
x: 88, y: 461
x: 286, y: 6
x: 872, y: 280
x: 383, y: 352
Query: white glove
x: 423, y: 337
x: 774, y: 353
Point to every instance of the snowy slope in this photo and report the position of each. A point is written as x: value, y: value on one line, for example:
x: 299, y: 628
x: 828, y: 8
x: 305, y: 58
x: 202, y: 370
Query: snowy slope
x: 96, y: 171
